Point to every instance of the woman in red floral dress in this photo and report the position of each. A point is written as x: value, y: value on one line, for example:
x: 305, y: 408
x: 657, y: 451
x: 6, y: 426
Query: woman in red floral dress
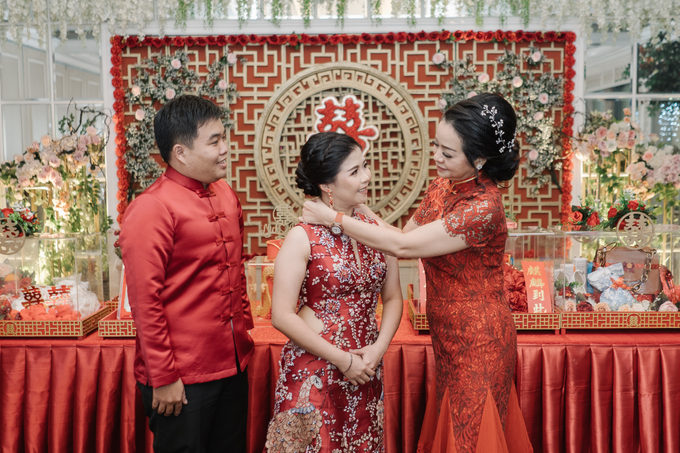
x: 459, y: 230
x: 329, y: 396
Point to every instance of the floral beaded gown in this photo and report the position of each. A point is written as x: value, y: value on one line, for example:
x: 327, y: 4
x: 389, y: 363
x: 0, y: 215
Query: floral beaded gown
x: 316, y: 410
x: 473, y: 407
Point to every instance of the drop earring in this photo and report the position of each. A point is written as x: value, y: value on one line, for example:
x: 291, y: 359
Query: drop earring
x: 330, y: 198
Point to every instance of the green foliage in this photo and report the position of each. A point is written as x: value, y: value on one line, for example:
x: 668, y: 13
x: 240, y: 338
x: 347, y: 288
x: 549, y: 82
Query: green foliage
x: 659, y: 65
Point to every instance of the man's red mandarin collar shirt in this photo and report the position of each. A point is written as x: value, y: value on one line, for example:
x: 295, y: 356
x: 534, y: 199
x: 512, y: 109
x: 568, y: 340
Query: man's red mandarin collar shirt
x: 182, y: 247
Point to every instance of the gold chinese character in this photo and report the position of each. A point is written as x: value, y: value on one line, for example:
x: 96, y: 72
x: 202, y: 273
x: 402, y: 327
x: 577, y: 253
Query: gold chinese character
x: 539, y: 308
x: 539, y: 294
x: 533, y: 270
x: 537, y: 282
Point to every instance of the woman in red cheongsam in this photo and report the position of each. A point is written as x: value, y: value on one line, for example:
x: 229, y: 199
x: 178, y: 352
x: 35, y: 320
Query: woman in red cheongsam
x: 329, y: 395
x: 459, y: 230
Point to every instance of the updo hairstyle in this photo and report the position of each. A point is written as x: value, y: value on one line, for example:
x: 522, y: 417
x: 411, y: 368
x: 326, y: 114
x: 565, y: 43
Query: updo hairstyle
x: 479, y: 134
x: 320, y: 160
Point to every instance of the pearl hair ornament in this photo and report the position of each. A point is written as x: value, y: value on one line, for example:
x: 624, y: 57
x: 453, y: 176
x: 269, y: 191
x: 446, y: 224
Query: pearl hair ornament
x: 499, y: 129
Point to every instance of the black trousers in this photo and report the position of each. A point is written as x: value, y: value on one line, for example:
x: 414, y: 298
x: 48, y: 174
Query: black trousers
x: 213, y: 421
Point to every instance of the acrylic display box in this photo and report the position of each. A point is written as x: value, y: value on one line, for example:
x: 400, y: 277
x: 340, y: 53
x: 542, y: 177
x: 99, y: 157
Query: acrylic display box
x: 260, y: 281
x: 547, y: 272
x: 54, y: 287
x: 119, y: 322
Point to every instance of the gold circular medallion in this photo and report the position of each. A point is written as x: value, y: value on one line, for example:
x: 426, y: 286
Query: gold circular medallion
x: 635, y: 230
x: 634, y: 320
x: 12, y: 237
x: 10, y: 328
x: 398, y: 156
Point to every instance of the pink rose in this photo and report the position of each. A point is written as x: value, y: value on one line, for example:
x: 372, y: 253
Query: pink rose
x: 625, y: 308
x: 136, y: 91
x: 438, y: 58
x: 96, y: 139
x: 170, y: 93
x: 517, y: 81
x: 176, y: 63
x: 601, y: 132
x: 442, y: 103
x: 483, y: 78
x: 538, y: 116
x: 533, y: 154
x: 46, y: 140
x: 653, y: 138
x: 668, y: 307
x: 91, y: 131
x: 536, y: 56
x: 611, y: 135
x: 630, y: 144
x: 18, y: 158
x: 471, y: 94
x: 35, y: 146
x: 543, y: 98
x: 231, y: 58
x: 29, y: 157
x: 570, y: 306
x: 139, y: 114
x: 222, y: 84
x: 631, y: 135
x: 626, y: 111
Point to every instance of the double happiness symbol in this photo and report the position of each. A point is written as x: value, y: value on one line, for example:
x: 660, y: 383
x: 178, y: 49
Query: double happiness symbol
x: 346, y: 116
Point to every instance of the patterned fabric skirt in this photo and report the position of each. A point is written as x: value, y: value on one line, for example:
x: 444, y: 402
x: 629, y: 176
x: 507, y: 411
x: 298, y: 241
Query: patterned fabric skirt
x: 316, y: 410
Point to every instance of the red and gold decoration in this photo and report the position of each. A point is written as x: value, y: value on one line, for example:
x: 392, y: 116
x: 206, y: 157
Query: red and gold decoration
x: 400, y: 153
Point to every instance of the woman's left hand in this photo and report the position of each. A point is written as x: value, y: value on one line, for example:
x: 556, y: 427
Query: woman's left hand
x: 371, y: 355
x: 316, y: 212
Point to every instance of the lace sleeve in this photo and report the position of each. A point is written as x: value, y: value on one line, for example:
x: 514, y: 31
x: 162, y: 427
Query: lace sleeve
x: 478, y: 220
x: 422, y: 214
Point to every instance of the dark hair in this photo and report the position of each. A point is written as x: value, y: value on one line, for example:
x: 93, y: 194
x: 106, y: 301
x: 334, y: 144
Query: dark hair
x: 178, y: 122
x: 480, y: 137
x: 320, y: 160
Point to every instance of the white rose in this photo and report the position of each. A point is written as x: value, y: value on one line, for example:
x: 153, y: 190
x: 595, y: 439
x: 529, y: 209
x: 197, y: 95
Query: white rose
x: 46, y: 140
x: 543, y: 98
x: 231, y: 58
x: 517, y: 81
x: 139, y: 114
x: 222, y: 84
x: 170, y: 93
x: 536, y: 56
x: 442, y: 103
x: 538, y: 116
x: 176, y: 63
x: 136, y: 91
x: 471, y: 94
x: 483, y: 78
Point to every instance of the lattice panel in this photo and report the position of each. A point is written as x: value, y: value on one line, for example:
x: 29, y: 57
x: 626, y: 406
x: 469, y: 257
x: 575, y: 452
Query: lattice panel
x: 644, y: 320
x: 52, y: 328
x: 536, y: 321
x: 111, y: 326
x: 270, y: 67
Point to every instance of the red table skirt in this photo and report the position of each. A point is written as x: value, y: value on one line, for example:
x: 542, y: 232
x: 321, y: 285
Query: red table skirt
x: 578, y: 393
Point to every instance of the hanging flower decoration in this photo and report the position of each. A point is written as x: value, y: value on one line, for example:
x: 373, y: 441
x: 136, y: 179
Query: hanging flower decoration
x: 533, y: 98
x: 159, y: 79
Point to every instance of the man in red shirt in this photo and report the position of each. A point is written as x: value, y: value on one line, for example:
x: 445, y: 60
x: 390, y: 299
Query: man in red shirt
x: 182, y: 243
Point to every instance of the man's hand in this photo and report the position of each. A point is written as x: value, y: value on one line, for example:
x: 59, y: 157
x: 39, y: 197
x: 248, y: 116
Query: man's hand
x: 168, y: 400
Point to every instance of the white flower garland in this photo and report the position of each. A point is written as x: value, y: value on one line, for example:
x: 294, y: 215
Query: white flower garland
x: 125, y: 15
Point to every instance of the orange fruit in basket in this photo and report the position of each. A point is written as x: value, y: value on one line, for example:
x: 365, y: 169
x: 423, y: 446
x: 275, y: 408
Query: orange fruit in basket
x: 9, y: 278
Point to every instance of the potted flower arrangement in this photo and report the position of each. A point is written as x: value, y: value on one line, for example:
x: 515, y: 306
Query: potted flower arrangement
x: 606, y: 145
x: 25, y: 218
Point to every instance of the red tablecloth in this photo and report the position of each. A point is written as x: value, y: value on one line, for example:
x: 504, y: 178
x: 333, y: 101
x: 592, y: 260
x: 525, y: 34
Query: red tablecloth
x: 594, y: 392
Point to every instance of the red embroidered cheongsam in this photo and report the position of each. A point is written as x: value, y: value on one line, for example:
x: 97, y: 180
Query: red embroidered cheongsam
x: 473, y: 333
x: 316, y: 410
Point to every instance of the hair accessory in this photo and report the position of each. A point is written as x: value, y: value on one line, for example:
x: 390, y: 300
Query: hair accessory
x: 479, y: 166
x: 499, y: 129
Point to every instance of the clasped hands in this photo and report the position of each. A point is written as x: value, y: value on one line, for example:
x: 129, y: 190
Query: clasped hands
x: 364, y: 363
x: 169, y: 399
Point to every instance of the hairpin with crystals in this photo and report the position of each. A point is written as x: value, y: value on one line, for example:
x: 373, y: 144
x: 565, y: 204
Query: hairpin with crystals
x: 498, y: 125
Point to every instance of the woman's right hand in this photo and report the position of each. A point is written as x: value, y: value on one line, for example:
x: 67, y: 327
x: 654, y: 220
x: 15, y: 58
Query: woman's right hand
x: 316, y: 212
x: 359, y: 373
